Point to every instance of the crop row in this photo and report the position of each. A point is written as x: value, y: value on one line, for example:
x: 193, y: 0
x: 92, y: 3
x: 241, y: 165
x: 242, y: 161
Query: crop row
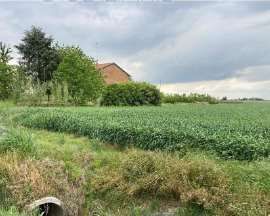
x: 232, y: 131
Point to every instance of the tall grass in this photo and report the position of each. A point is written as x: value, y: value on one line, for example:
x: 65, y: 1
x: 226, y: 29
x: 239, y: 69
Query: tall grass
x: 28, y: 179
x: 196, y: 184
x: 18, y: 140
x: 12, y: 211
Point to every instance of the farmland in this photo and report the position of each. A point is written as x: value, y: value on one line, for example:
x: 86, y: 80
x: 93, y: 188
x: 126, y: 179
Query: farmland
x: 239, y: 131
x: 204, y: 159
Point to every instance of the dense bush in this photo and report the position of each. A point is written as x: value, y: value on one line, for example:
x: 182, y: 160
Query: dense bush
x: 235, y: 132
x: 131, y: 94
x: 191, y: 98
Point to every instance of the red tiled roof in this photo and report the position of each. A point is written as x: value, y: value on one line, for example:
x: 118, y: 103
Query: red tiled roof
x: 102, y: 66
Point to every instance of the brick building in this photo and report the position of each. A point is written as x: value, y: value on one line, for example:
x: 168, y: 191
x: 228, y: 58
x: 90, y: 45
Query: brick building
x: 113, y: 73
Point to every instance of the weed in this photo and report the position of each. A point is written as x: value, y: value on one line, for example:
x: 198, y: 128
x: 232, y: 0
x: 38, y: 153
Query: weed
x: 147, y: 174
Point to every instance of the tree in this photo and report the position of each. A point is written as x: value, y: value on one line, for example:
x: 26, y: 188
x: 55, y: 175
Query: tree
x: 78, y: 72
x: 5, y: 52
x: 6, y: 72
x: 39, y: 56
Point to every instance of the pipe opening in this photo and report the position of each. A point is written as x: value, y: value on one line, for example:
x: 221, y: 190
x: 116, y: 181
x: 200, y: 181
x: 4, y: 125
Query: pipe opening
x: 48, y: 206
x: 50, y: 209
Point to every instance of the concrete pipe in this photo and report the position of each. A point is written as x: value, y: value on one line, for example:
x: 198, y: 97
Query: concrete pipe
x: 47, y: 206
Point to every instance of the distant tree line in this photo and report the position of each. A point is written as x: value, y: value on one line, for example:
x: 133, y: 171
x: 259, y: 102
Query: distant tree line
x: 251, y: 99
x: 188, y: 98
x: 226, y: 100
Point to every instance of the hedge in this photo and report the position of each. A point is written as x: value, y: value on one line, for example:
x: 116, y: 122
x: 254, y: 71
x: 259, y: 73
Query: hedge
x: 131, y: 94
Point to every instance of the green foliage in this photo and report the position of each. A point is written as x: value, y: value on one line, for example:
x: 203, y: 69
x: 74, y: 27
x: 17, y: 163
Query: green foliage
x: 13, y: 83
x: 5, y: 52
x: 233, y: 132
x: 60, y: 93
x: 131, y: 94
x: 6, y: 79
x: 78, y: 72
x: 18, y: 141
x: 39, y: 56
x: 191, y: 98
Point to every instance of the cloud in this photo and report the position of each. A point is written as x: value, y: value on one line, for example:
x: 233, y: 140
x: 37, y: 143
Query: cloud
x: 249, y: 82
x: 232, y: 88
x: 226, y: 43
x: 255, y: 73
x: 214, y: 46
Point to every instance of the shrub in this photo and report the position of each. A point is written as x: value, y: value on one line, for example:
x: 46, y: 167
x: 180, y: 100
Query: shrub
x: 18, y: 141
x: 131, y: 94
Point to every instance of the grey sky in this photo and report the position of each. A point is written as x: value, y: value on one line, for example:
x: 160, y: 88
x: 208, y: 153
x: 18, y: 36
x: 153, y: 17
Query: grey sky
x: 168, y: 43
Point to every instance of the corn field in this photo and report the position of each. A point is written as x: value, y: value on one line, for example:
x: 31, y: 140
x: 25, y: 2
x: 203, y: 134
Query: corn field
x: 232, y: 131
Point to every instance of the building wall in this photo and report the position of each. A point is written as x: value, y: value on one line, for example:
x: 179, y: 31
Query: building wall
x: 112, y: 74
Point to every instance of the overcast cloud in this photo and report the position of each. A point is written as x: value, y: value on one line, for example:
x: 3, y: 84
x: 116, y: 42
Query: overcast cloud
x: 221, y: 48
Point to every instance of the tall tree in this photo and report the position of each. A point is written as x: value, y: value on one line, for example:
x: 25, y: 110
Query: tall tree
x: 39, y: 56
x: 79, y: 73
x: 5, y: 52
